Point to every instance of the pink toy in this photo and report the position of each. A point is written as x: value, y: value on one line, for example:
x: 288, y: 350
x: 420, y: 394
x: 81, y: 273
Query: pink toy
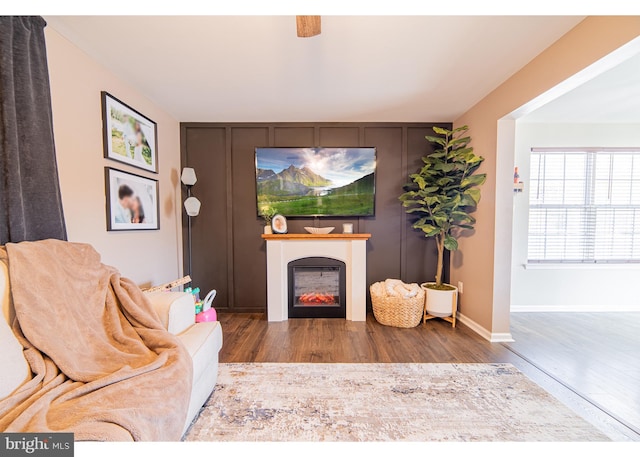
x: 207, y: 316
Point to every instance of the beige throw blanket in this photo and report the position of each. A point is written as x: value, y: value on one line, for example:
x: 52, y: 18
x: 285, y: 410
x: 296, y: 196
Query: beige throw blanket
x: 103, y: 365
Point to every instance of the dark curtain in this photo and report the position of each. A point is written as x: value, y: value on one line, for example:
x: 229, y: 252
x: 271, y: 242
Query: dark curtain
x: 30, y: 201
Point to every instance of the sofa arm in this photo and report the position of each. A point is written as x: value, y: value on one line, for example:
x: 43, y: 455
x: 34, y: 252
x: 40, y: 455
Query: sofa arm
x: 176, y: 310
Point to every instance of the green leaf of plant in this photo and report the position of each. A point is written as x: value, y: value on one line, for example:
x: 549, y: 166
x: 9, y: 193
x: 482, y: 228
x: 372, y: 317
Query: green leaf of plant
x: 462, y: 150
x: 438, y: 154
x: 464, y: 140
x: 475, y: 180
x: 474, y: 159
x: 459, y: 216
x: 450, y: 243
x: 467, y: 202
x: 441, y: 131
x: 437, y: 140
x: 446, y: 167
x: 460, y: 129
x: 444, y: 181
x: 426, y: 228
x: 440, y: 219
x: 474, y: 194
x: 407, y: 196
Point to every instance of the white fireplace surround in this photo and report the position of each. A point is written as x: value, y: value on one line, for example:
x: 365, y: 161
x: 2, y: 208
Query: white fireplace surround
x: 348, y: 248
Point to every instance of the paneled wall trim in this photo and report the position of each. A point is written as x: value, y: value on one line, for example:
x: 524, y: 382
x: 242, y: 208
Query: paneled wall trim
x: 228, y: 253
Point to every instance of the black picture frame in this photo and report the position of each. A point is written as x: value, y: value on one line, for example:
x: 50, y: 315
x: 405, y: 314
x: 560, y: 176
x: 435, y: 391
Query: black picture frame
x: 124, y: 206
x: 128, y: 136
x: 320, y: 181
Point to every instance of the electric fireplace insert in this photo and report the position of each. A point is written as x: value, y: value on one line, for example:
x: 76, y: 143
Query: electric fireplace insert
x: 317, y: 288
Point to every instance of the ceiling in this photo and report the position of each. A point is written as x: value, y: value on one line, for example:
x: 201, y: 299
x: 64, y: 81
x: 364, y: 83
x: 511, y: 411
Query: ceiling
x: 612, y: 97
x: 361, y: 68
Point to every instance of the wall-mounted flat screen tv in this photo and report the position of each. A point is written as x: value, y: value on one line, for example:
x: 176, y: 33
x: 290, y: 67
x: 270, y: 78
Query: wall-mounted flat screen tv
x: 316, y: 181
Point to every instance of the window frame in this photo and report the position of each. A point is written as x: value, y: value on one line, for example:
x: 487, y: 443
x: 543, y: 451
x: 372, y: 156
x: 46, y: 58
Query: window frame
x: 590, y: 207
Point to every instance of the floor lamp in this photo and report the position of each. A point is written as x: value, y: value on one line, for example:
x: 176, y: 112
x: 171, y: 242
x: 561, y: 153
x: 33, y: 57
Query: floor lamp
x: 191, y: 204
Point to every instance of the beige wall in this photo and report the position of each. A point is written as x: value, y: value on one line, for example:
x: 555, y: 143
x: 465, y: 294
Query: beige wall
x: 474, y: 263
x: 148, y: 257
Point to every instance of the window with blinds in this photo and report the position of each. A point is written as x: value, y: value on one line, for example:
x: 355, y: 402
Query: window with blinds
x: 584, y: 206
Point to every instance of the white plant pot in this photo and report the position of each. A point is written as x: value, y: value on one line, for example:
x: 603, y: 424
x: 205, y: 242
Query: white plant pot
x: 440, y: 303
x: 268, y: 230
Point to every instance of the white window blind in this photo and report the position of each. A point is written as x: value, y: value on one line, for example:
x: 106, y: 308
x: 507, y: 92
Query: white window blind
x: 584, y: 205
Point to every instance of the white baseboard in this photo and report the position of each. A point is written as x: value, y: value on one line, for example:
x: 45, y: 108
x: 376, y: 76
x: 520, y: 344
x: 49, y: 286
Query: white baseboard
x: 501, y: 338
x: 483, y: 332
x: 616, y: 308
x: 473, y: 325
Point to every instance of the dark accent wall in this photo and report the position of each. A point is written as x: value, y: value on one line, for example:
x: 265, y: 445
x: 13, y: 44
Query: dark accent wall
x: 228, y: 253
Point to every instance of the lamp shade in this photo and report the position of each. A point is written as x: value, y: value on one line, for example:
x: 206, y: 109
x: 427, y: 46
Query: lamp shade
x: 188, y: 176
x: 192, y: 206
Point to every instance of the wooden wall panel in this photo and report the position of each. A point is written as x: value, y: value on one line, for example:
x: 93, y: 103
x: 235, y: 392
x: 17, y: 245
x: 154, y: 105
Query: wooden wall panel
x: 249, y: 252
x: 209, y: 228
x: 229, y: 254
x: 383, y: 257
x: 293, y: 137
x: 336, y: 137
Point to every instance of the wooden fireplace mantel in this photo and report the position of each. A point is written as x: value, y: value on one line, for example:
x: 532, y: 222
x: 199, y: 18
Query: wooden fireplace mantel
x: 311, y: 236
x: 350, y: 248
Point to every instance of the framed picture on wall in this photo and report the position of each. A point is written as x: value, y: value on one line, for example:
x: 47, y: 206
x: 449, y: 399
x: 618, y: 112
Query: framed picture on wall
x: 128, y: 136
x: 132, y: 201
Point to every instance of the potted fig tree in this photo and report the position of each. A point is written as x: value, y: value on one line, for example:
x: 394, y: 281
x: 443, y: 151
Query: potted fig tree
x: 441, y: 197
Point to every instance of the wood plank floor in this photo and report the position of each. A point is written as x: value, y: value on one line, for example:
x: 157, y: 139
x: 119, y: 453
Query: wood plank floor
x: 250, y: 338
x: 595, y: 354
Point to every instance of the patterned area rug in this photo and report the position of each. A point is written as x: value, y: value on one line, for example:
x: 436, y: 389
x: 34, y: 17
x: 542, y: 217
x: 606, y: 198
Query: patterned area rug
x: 383, y: 402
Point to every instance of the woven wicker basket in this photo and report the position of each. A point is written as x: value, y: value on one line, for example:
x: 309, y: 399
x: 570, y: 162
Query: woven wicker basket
x: 396, y: 311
